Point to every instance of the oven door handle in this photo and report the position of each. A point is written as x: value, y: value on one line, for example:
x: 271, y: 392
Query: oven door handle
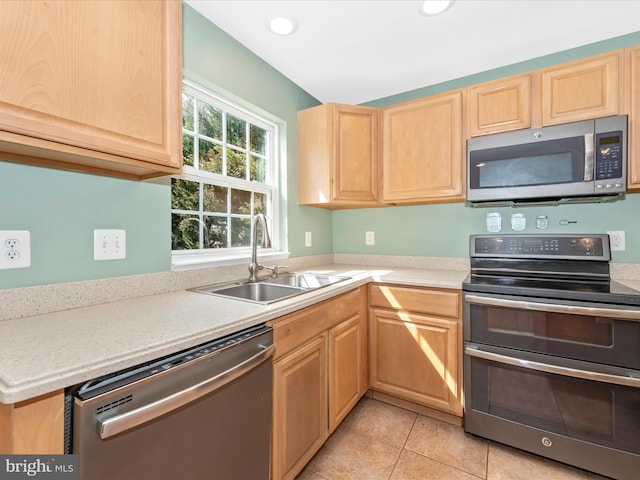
x: 555, y: 307
x: 556, y: 369
x: 120, y: 423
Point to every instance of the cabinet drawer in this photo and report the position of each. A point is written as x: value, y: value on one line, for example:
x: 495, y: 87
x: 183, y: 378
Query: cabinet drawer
x: 293, y: 330
x: 434, y: 301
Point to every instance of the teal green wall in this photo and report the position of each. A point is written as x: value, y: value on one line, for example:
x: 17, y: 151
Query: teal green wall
x: 218, y: 62
x: 61, y: 209
x: 443, y: 230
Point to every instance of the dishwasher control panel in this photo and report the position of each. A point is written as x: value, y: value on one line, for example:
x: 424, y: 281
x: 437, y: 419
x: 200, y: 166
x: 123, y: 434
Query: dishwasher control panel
x: 118, y: 379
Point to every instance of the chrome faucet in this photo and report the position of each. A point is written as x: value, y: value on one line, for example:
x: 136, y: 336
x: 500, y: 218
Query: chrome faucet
x: 254, y: 266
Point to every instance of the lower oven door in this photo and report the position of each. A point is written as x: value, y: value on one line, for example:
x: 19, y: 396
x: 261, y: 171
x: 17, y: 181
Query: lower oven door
x: 572, y: 411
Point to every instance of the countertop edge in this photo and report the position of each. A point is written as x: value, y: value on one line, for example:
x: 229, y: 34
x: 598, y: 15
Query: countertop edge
x: 20, y: 381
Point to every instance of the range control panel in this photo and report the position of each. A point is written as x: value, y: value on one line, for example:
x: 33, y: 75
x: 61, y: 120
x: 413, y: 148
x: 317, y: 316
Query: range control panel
x: 568, y: 246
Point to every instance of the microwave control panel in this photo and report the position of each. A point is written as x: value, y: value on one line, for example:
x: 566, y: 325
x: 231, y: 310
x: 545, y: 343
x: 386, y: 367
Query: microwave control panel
x: 609, y: 160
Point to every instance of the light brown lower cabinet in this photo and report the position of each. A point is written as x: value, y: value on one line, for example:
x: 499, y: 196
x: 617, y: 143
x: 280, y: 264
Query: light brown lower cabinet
x: 300, y: 425
x: 415, y: 338
x: 34, y: 426
x: 319, y: 375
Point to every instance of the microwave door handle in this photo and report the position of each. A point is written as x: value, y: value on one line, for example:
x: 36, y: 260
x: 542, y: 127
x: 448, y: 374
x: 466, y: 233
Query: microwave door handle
x: 588, y: 157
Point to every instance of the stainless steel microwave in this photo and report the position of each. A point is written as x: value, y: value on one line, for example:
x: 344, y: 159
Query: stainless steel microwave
x: 570, y: 161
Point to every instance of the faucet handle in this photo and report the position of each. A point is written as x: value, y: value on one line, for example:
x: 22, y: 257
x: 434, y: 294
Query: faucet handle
x: 275, y: 269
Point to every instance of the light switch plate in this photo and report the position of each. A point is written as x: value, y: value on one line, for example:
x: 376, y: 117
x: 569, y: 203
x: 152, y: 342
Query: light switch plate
x: 109, y: 244
x: 370, y: 238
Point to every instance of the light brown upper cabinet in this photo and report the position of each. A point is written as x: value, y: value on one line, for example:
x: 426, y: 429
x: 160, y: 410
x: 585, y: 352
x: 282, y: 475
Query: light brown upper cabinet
x: 423, y: 150
x: 633, y: 82
x: 583, y: 89
x: 338, y: 156
x: 499, y: 105
x: 93, y: 86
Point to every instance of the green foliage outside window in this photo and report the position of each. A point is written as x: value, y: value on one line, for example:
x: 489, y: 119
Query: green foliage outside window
x: 210, y: 212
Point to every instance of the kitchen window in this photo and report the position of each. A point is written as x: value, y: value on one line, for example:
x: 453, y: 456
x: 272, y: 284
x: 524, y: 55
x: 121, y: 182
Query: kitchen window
x: 229, y: 176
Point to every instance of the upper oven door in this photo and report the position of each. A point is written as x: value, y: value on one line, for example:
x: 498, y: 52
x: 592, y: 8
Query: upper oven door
x: 578, y: 330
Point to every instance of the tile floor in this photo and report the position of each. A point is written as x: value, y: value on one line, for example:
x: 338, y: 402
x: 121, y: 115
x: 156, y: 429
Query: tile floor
x: 378, y: 441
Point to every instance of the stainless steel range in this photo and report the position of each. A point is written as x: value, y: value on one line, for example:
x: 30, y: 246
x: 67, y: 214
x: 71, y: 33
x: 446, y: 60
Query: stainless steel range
x: 552, y: 351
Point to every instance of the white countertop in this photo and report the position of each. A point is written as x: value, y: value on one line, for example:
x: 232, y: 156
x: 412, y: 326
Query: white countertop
x: 51, y: 351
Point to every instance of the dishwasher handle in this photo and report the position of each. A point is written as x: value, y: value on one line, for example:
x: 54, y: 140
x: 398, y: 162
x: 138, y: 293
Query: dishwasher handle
x: 121, y: 423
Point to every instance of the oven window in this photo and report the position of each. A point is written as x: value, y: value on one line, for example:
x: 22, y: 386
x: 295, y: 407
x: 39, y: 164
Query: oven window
x: 593, y: 339
x: 595, y: 412
x: 545, y: 325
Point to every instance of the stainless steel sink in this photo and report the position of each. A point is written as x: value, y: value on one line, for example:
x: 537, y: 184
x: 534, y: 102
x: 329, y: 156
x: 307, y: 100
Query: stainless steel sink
x: 270, y: 290
x: 304, y: 280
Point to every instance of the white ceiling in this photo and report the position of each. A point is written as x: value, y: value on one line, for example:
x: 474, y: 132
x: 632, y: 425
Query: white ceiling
x: 354, y: 51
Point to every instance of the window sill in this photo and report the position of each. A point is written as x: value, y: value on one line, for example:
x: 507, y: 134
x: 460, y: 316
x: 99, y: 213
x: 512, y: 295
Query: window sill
x: 193, y: 260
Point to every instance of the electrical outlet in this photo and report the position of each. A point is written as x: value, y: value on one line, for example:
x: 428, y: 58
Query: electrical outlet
x: 369, y: 238
x: 307, y: 239
x: 109, y: 244
x: 616, y: 240
x: 15, y: 249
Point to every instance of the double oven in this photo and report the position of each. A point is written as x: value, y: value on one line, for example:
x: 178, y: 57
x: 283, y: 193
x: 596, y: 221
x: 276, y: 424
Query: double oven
x: 552, y: 351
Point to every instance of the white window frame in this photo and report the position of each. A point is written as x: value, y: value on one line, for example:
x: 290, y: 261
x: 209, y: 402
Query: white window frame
x: 188, y: 259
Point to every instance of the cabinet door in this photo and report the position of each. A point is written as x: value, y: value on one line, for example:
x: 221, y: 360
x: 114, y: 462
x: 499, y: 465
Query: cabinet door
x: 92, y: 85
x: 345, y: 366
x: 633, y: 66
x: 423, y: 150
x: 299, y: 408
x: 581, y: 90
x: 338, y: 156
x: 500, y: 106
x: 34, y: 426
x: 415, y: 357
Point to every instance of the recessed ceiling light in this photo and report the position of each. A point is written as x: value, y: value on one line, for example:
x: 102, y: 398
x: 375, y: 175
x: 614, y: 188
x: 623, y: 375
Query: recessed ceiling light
x: 281, y: 24
x: 434, y: 7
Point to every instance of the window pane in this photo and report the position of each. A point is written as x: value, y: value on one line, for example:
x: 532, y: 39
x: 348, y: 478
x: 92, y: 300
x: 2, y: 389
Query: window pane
x: 240, y: 232
x: 227, y: 148
x: 236, y: 131
x: 210, y: 121
x: 187, y: 112
x: 184, y: 195
x: 217, y: 228
x: 210, y: 156
x: 187, y: 150
x: 259, y: 203
x: 258, y: 139
x: 185, y: 230
x: 240, y: 201
x: 214, y: 198
x: 236, y: 164
x: 258, y: 169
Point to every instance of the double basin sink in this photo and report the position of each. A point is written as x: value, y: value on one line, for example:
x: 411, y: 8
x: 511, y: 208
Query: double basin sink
x: 271, y: 289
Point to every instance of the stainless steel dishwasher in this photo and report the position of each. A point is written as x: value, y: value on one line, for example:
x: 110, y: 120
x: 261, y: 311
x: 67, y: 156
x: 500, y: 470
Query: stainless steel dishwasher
x: 204, y: 413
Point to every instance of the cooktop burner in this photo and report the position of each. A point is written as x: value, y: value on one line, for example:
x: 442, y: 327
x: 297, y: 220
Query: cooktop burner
x: 569, y: 267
